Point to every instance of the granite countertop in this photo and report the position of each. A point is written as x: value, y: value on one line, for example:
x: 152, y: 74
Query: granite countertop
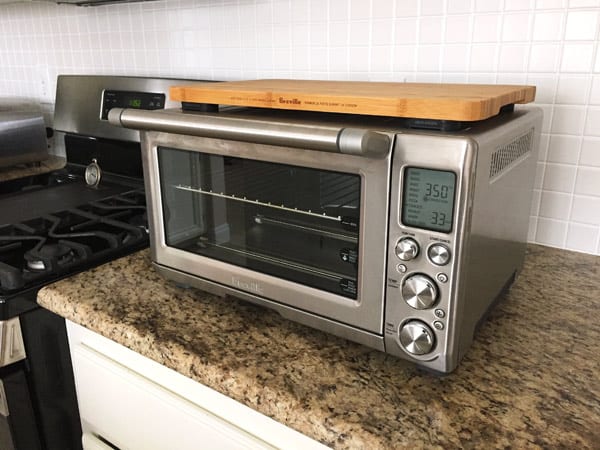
x: 531, y: 378
x: 24, y: 170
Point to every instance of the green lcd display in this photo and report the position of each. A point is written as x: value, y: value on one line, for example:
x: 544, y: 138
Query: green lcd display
x: 428, y: 199
x: 135, y: 103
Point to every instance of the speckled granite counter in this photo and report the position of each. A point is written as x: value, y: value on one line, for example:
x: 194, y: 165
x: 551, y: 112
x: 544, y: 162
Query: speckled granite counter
x: 24, y: 170
x: 531, y: 379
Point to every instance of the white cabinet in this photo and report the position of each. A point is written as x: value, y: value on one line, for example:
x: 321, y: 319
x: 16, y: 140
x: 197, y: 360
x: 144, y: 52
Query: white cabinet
x: 135, y: 403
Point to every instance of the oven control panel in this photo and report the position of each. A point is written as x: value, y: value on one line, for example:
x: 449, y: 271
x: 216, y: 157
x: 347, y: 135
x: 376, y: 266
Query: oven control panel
x: 130, y: 99
x: 418, y: 288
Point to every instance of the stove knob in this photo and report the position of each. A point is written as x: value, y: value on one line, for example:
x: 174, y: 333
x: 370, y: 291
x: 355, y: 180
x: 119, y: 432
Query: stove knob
x: 416, y: 337
x: 419, y: 291
x: 407, y: 249
x: 439, y: 254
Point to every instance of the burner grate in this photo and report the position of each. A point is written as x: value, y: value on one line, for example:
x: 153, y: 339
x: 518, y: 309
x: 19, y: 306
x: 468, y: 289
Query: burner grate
x: 66, y: 241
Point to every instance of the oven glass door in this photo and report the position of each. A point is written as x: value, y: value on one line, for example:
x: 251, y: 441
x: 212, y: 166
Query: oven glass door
x: 296, y: 223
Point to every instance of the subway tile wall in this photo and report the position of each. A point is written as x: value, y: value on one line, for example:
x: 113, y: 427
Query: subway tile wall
x: 553, y: 44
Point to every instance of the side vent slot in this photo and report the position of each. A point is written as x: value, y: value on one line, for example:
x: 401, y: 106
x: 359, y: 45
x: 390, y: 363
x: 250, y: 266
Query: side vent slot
x: 505, y: 156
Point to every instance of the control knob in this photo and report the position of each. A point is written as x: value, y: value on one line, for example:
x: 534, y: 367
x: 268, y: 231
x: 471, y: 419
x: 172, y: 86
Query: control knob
x: 419, y: 291
x: 439, y: 254
x: 416, y: 337
x: 407, y: 249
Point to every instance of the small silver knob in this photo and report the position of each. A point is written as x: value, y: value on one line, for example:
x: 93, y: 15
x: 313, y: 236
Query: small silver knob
x: 419, y: 291
x: 416, y: 337
x: 439, y: 254
x: 407, y: 249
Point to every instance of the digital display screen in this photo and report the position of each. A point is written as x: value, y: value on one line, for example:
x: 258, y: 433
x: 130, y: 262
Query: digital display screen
x: 130, y: 99
x: 428, y: 199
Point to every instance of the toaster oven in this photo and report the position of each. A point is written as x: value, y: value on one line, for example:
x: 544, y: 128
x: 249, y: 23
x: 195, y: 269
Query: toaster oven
x: 397, y: 238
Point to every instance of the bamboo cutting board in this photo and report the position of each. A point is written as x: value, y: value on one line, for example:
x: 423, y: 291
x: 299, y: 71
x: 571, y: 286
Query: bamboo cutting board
x: 460, y: 102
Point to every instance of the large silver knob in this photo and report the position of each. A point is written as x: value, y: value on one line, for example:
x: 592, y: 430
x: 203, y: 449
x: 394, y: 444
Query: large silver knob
x: 419, y: 291
x: 416, y: 337
x: 407, y: 249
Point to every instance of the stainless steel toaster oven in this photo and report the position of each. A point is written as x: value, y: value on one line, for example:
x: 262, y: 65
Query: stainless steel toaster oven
x: 397, y: 238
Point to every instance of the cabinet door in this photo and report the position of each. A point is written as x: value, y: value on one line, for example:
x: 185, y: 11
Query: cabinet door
x: 134, y: 403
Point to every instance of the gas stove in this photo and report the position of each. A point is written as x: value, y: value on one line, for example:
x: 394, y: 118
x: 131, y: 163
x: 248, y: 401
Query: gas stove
x: 54, y: 225
x: 44, y: 248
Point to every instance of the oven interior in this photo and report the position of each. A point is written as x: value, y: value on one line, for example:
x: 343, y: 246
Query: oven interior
x: 296, y: 223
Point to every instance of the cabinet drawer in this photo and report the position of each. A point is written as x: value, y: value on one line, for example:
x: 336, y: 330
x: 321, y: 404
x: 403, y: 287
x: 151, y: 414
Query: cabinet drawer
x: 135, y: 403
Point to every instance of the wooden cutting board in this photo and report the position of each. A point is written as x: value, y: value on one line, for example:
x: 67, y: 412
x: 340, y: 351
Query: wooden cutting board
x: 461, y: 102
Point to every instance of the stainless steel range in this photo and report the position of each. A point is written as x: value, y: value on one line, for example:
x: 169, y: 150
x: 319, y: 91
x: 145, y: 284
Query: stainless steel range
x: 56, y: 224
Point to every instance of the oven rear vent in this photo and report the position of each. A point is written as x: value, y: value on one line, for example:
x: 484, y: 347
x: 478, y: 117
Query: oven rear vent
x: 506, y: 155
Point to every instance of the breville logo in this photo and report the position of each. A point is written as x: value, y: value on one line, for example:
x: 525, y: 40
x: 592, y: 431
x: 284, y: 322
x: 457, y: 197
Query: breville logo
x: 291, y: 101
x: 249, y: 286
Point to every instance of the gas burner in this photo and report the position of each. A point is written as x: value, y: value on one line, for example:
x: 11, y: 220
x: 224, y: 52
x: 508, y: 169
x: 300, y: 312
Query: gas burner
x: 58, y: 252
x: 139, y: 220
x: 62, y: 241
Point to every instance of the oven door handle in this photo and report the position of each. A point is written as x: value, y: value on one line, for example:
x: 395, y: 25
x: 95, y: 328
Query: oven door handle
x: 353, y: 141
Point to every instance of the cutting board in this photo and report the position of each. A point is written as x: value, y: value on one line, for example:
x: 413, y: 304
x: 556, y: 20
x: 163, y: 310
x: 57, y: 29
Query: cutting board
x: 460, y: 102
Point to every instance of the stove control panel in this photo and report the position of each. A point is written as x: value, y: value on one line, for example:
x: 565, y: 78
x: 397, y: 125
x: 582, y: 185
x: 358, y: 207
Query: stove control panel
x: 130, y: 99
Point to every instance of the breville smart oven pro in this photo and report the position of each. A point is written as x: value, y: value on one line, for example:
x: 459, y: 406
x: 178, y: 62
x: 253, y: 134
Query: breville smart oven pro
x: 397, y: 238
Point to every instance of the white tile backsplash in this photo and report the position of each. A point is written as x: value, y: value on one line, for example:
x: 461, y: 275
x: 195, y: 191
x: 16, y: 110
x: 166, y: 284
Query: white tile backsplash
x: 551, y: 232
x: 581, y: 237
x: 573, y: 89
x: 553, y: 44
x: 581, y: 25
x: 483, y: 58
x: 590, y: 152
x: 564, y: 149
x: 587, y: 181
x: 592, y: 123
x: 430, y: 30
x: 543, y: 58
x: 555, y: 205
x: 550, y: 4
x: 518, y: 5
x: 583, y: 3
x: 568, y: 119
x: 577, y: 57
x: 516, y: 27
x: 513, y: 58
x: 547, y: 26
x: 559, y: 177
x: 458, y: 6
x: 458, y: 29
x: 431, y: 7
x: 486, y: 28
x: 586, y: 209
x: 406, y: 8
x: 405, y: 31
x: 595, y: 93
x: 488, y: 5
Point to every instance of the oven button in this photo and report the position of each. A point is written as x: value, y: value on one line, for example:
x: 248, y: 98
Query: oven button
x: 442, y: 277
x: 416, y: 337
x: 439, y: 254
x: 407, y: 249
x: 419, y: 291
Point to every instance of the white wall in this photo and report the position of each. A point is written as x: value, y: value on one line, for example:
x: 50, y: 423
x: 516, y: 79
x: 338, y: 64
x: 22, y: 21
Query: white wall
x: 553, y: 44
